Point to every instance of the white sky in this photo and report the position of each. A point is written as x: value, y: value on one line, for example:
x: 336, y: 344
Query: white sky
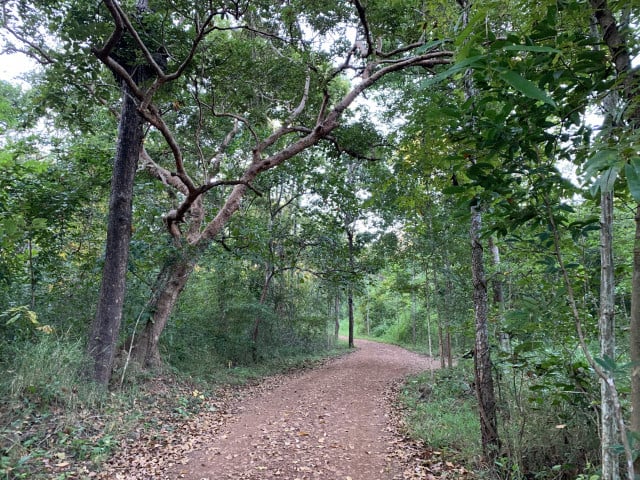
x: 14, y: 65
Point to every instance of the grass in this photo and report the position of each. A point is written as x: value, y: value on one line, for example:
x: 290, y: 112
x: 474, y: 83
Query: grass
x: 440, y: 410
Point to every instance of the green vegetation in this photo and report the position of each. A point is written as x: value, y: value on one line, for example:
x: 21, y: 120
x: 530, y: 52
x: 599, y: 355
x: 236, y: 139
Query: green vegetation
x: 53, y: 424
x: 442, y: 412
x: 475, y: 213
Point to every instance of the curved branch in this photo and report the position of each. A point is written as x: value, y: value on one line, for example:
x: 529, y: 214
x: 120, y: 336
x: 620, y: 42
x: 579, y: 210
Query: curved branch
x: 365, y: 26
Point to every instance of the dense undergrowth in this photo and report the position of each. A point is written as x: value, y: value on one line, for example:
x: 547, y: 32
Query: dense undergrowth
x: 54, y: 424
x: 544, y: 435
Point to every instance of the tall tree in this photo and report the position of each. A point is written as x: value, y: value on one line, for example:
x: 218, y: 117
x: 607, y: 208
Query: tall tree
x: 105, y: 329
x: 482, y: 351
x: 613, y: 36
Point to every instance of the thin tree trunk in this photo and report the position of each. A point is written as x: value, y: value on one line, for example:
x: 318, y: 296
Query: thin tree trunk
x: 616, y: 41
x: 351, y: 319
x: 482, y: 358
x: 427, y: 308
x: 32, y: 275
x: 268, y: 276
x: 105, y: 329
x: 337, y: 315
x: 634, y: 335
x: 440, y: 322
x: 350, y: 292
x: 610, y: 460
x: 498, y: 295
x: 448, y: 311
x: 414, y: 328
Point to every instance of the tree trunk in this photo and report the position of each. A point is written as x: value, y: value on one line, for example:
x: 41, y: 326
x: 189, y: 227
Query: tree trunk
x: 449, y: 349
x: 427, y: 308
x: 268, y: 276
x: 448, y: 311
x: 498, y: 295
x: 350, y: 292
x: 617, y: 44
x: 105, y: 329
x: 482, y: 358
x: 171, y: 281
x: 439, y: 315
x: 610, y: 460
x: 337, y: 316
x: 414, y: 327
x: 634, y: 334
x: 351, y: 319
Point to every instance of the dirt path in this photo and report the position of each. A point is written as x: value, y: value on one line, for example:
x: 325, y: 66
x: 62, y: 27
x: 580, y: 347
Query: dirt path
x: 329, y: 423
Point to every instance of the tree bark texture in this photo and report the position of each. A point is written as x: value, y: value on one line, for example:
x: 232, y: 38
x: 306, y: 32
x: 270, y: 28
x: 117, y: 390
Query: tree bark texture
x: 498, y: 295
x: 103, y: 336
x: 482, y: 358
x: 350, y: 293
x: 351, y: 319
x: 268, y: 276
x: 615, y: 40
x: 634, y: 336
x: 336, y: 328
x: 170, y: 283
x: 610, y: 460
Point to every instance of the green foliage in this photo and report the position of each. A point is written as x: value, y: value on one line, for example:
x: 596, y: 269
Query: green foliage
x: 20, y: 323
x: 442, y: 412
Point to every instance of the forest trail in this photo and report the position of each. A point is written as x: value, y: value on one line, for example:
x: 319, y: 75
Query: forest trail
x: 333, y: 422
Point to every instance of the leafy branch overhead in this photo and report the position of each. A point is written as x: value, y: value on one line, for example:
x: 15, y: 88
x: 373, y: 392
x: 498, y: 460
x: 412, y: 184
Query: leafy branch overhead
x: 323, y: 91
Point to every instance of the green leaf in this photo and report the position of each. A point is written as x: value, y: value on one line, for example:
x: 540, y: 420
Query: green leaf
x: 599, y: 161
x: 429, y: 45
x: 526, y: 87
x: 471, y: 62
x: 607, y: 363
x: 608, y: 178
x: 632, y: 171
x: 531, y: 48
x: 39, y: 224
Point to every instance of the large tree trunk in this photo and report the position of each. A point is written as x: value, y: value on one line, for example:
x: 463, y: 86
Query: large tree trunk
x: 482, y: 358
x: 105, y: 329
x: 171, y: 281
x: 610, y: 460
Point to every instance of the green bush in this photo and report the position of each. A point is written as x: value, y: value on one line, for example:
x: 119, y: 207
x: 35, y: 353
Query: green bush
x: 442, y: 411
x: 545, y: 432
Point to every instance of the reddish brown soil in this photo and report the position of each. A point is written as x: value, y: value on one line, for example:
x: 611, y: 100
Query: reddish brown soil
x: 334, y: 422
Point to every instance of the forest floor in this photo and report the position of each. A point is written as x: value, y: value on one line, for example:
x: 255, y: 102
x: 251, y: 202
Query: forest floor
x: 338, y: 421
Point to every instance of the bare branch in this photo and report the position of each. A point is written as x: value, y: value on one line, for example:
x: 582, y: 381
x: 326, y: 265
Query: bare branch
x: 162, y: 174
x: 365, y: 26
x: 217, y: 158
x: 42, y: 56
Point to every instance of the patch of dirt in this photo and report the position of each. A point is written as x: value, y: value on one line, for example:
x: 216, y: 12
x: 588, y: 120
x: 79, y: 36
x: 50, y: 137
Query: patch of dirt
x: 334, y: 422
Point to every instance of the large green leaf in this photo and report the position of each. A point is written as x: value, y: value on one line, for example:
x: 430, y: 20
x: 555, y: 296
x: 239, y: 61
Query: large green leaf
x: 601, y: 160
x: 470, y: 62
x: 531, y: 48
x: 606, y: 181
x: 526, y: 87
x: 632, y: 171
